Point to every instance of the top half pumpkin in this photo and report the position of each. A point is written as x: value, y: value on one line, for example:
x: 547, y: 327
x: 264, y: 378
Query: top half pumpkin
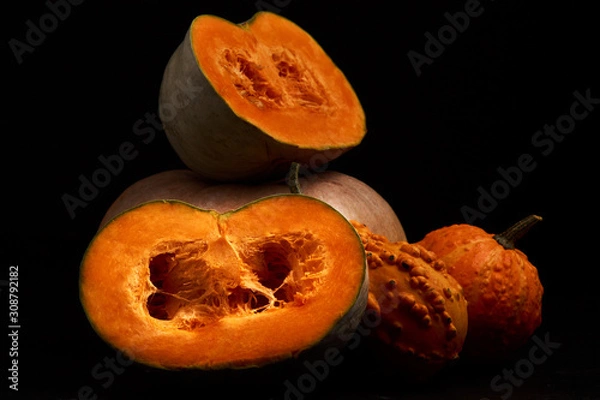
x: 241, y: 102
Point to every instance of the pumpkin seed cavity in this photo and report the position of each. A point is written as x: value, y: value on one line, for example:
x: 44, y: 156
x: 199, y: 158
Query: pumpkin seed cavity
x: 283, y: 82
x: 193, y: 286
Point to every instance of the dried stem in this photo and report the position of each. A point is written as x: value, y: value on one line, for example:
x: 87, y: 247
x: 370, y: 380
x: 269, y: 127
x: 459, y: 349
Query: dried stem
x: 509, y: 237
x: 293, y: 181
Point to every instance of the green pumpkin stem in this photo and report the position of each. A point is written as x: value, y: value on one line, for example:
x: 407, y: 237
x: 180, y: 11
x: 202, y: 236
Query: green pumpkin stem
x: 293, y: 181
x: 509, y: 237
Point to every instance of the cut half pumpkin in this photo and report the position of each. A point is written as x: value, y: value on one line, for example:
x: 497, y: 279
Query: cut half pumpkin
x: 240, y: 102
x: 174, y: 286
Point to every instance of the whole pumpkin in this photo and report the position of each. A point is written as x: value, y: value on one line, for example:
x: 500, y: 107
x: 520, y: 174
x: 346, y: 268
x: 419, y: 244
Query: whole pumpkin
x: 420, y: 309
x: 502, y: 286
x: 351, y: 197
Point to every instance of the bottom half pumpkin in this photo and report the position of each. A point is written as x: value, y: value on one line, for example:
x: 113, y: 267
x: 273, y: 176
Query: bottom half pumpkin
x: 174, y: 286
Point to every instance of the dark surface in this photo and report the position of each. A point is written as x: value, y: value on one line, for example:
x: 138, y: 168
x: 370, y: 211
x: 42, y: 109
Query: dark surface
x: 433, y: 140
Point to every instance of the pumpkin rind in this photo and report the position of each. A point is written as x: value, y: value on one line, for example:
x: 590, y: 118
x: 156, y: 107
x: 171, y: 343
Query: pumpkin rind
x: 502, y: 286
x: 249, y: 320
x: 351, y: 197
x: 422, y: 309
x: 241, y: 102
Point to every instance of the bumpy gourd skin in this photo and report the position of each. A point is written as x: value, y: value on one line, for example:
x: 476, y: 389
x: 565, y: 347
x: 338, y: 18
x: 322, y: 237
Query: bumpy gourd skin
x: 502, y: 286
x: 421, y: 308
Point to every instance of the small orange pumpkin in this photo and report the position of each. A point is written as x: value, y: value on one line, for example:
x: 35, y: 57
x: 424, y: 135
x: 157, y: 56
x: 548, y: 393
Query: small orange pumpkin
x: 500, y: 283
x: 421, y: 308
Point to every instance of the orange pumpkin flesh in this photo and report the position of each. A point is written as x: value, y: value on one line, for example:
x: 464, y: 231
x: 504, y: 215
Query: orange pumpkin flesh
x: 240, y: 102
x: 502, y: 286
x: 275, y: 75
x: 174, y: 286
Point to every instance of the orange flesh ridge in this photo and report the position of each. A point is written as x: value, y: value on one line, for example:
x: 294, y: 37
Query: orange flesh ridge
x: 275, y: 75
x: 220, y: 304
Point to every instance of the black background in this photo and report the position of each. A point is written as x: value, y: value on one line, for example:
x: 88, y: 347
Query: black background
x: 433, y: 140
